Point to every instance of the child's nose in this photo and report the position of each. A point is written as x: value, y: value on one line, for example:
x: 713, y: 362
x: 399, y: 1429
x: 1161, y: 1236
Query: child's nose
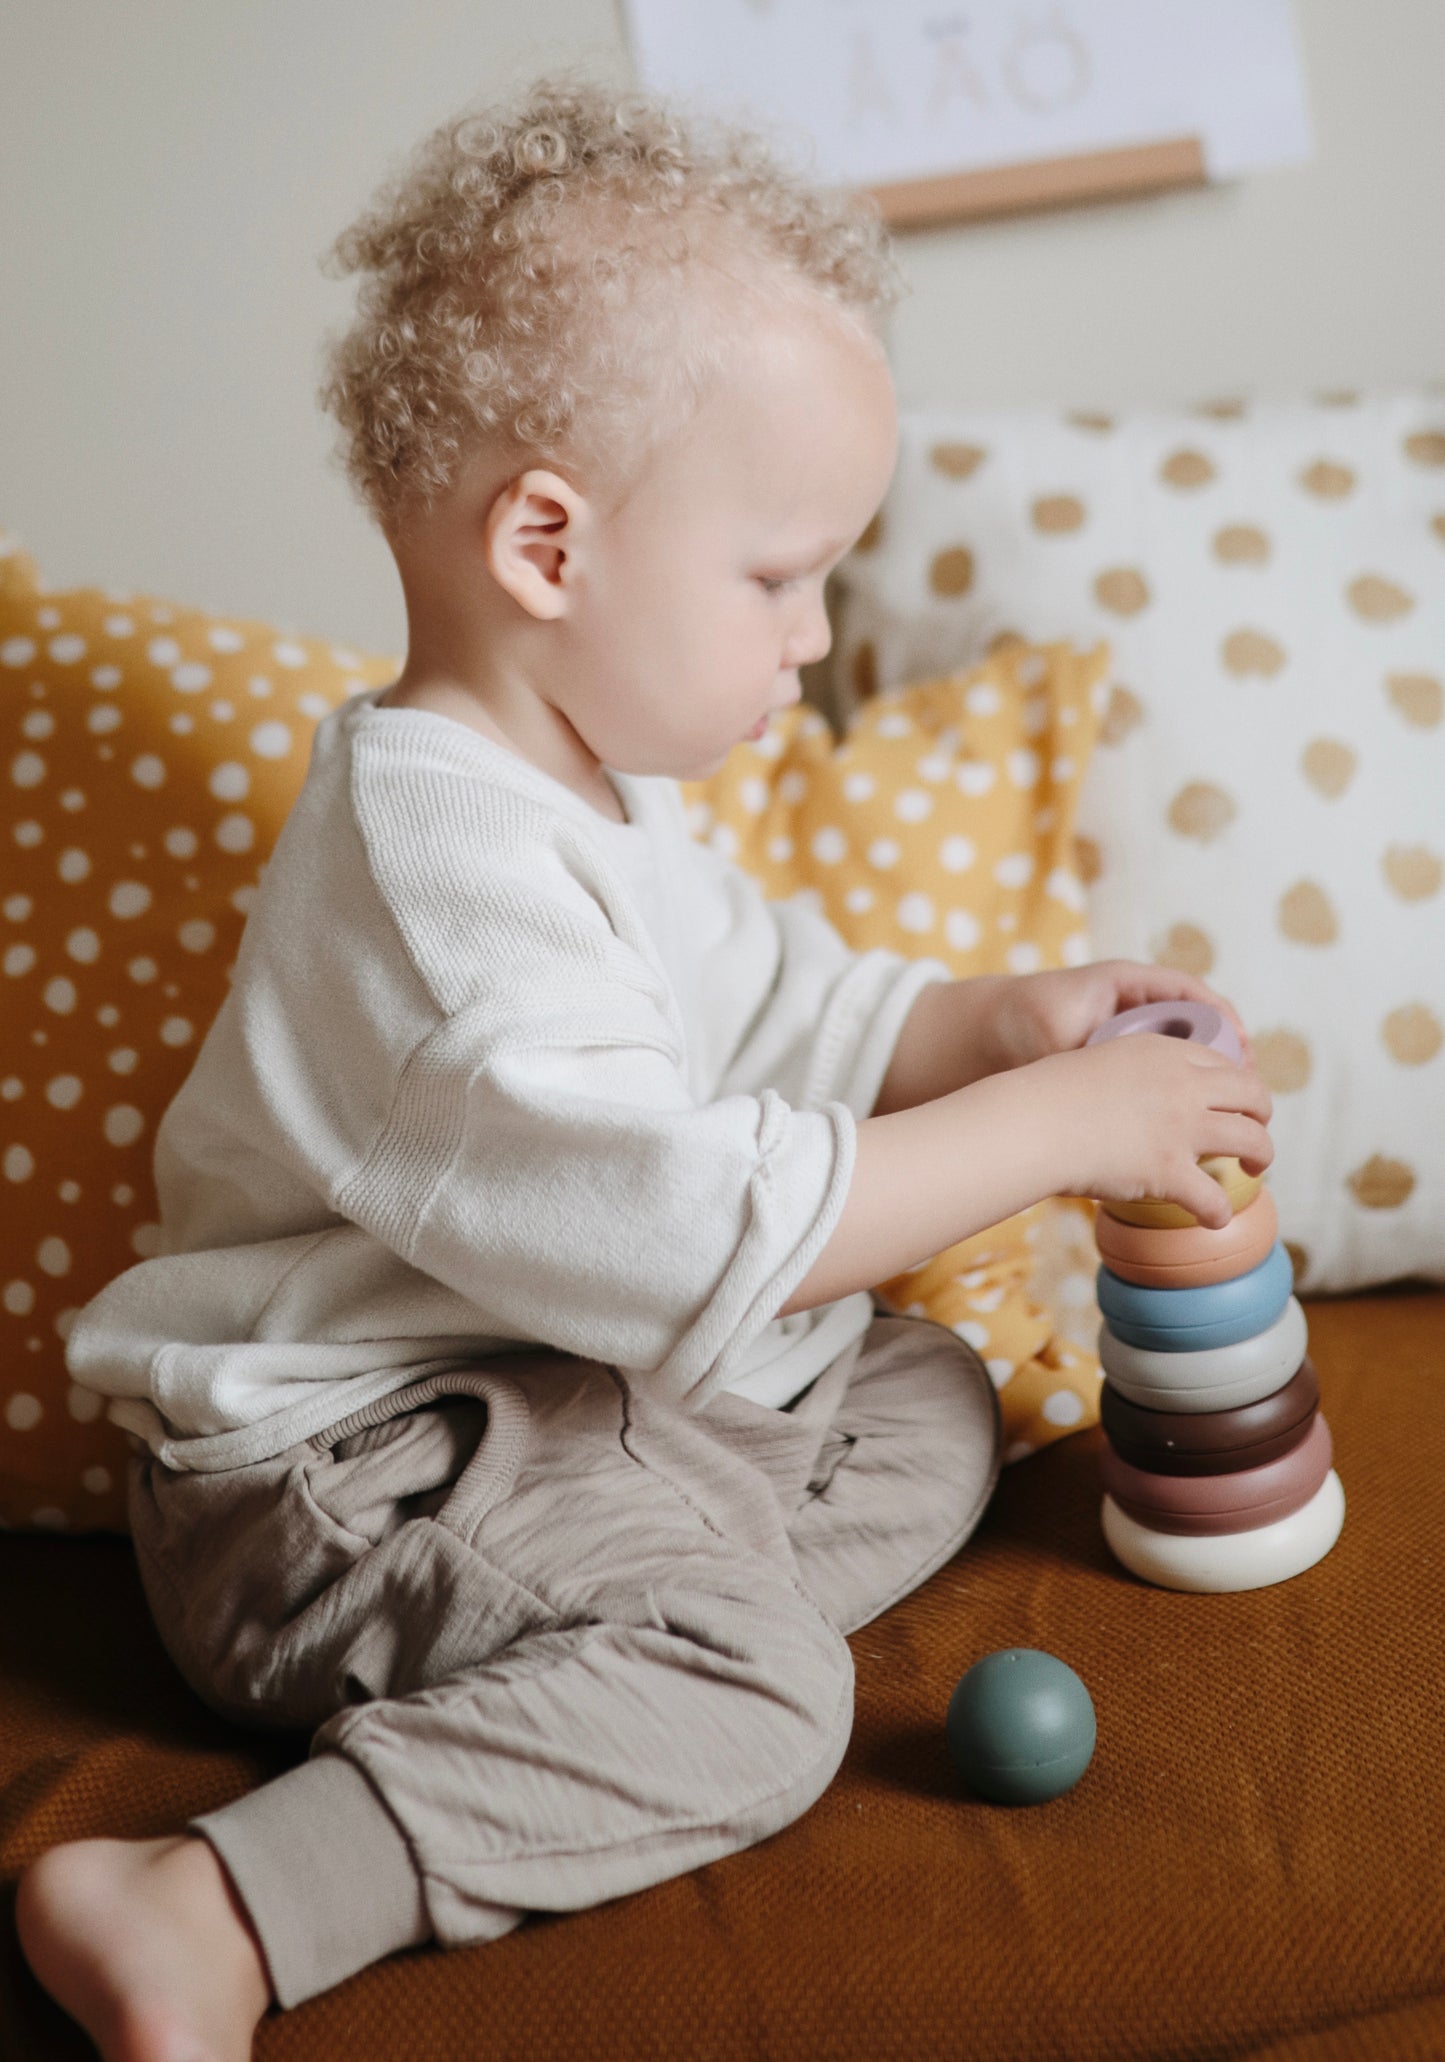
x: 812, y: 637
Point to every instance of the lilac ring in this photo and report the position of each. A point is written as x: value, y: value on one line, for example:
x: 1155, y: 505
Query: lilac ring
x: 1199, y: 1022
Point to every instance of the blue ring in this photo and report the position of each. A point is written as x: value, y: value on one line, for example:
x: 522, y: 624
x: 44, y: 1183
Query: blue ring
x: 1187, y: 1320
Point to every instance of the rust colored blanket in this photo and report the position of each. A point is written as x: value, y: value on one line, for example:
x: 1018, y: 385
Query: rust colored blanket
x: 1251, y: 1865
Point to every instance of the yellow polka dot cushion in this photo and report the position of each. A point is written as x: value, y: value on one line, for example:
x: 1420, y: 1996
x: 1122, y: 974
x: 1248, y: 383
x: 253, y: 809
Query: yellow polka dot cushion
x: 1267, y: 807
x: 151, y: 755
x: 942, y: 823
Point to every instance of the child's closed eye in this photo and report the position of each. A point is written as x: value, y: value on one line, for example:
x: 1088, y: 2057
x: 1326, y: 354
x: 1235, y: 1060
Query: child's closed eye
x: 771, y: 584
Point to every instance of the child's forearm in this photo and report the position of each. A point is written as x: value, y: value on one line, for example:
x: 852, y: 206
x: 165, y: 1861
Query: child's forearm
x: 946, y: 1042
x: 928, y: 1176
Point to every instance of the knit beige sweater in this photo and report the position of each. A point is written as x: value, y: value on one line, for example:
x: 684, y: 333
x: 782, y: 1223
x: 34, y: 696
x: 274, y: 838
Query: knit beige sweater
x: 493, y: 1068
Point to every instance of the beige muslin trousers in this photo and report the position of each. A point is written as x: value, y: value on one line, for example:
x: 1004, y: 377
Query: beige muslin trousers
x: 555, y: 1638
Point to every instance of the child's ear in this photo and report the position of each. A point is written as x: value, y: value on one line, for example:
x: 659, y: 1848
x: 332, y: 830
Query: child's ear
x: 532, y: 536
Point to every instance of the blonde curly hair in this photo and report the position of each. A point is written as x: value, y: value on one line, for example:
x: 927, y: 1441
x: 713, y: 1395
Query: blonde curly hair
x: 540, y: 277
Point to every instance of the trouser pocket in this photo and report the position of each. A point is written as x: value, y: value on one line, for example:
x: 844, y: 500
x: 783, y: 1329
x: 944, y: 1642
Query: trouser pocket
x: 447, y: 1447
x: 371, y: 1482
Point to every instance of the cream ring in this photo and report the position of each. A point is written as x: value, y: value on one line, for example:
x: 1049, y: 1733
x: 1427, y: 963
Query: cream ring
x: 1229, y: 1560
x: 1210, y: 1377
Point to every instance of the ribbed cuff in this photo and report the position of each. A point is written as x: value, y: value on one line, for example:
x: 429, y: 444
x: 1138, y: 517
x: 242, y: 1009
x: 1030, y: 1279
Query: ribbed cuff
x: 859, y: 1079
x: 324, y: 1871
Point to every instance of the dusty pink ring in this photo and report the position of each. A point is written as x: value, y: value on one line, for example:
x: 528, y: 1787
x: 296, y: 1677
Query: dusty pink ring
x: 1239, y: 1496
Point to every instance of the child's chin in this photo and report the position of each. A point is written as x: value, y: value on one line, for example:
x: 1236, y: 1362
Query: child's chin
x: 705, y: 768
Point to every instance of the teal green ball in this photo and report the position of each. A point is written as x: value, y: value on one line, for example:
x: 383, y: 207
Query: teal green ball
x: 1021, y: 1727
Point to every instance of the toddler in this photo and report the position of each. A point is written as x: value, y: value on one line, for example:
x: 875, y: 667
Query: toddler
x: 507, y: 1403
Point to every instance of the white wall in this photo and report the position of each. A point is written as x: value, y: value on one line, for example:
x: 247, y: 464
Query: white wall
x: 170, y: 171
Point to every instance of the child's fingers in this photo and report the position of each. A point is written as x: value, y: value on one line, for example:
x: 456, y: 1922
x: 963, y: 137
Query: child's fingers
x: 1242, y: 1139
x: 1249, y: 1096
x: 1204, y: 1198
x: 1238, y: 1087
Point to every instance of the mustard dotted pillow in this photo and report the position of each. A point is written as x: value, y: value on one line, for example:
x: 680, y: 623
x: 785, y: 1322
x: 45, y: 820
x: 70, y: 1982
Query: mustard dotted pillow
x: 151, y: 753
x: 942, y: 824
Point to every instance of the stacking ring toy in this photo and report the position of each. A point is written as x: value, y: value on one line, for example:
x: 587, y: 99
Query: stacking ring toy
x: 1229, y: 1560
x: 1199, y: 1022
x: 1183, y: 1320
x: 1214, y: 1378
x: 1211, y: 1442
x: 1193, y: 1256
x: 1199, y: 1504
x: 1241, y: 1189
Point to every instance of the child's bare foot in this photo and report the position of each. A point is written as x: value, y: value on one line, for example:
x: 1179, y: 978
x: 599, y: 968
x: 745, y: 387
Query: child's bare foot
x: 146, y: 1944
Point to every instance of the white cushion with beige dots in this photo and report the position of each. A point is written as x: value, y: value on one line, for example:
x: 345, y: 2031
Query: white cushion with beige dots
x: 1267, y: 808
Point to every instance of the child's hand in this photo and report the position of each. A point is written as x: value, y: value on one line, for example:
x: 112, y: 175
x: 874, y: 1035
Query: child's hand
x: 1043, y: 1013
x: 1134, y: 1115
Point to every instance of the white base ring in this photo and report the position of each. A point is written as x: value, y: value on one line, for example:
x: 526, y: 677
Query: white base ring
x: 1230, y: 1560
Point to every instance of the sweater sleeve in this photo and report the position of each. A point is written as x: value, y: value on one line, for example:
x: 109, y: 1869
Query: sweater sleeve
x: 549, y: 1164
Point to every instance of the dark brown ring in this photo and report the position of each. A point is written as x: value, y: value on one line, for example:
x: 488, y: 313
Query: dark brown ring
x: 1212, y: 1442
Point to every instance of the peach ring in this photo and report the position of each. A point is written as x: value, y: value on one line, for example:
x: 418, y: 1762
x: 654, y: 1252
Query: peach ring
x: 1192, y: 1255
x: 1241, y: 1189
